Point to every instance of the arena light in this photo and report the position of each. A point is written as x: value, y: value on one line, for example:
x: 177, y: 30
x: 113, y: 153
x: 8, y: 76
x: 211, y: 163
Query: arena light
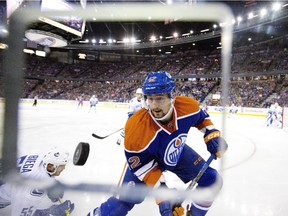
x: 204, y: 30
x: 169, y: 1
x: 239, y: 19
x: 133, y: 40
x: 3, y: 46
x: 276, y: 6
x: 101, y: 41
x: 250, y: 15
x: 153, y: 38
x: 85, y: 41
x: 263, y: 12
x: 186, y: 34
x: 81, y: 55
x: 40, y: 53
x: 29, y: 51
x: 126, y: 40
x: 222, y: 24
x: 4, y: 31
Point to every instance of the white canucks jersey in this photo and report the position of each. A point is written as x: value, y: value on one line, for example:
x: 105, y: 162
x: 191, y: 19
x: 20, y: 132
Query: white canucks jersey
x: 93, y: 101
x: 274, y: 115
x: 26, y: 199
x: 135, y: 105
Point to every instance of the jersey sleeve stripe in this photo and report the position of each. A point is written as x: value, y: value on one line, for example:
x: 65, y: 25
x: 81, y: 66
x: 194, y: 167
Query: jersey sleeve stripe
x: 140, y: 173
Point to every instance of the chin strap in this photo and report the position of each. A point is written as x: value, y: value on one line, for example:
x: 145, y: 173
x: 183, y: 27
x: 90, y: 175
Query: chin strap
x: 168, y: 114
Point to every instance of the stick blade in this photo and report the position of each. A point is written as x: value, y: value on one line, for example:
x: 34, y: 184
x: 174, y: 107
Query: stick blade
x: 98, y: 137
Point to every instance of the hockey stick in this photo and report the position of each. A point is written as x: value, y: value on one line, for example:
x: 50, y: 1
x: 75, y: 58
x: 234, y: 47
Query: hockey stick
x: 194, y: 182
x: 201, y: 172
x: 103, y: 137
x: 67, y: 213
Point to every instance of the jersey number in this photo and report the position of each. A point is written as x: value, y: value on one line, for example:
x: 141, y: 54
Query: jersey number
x: 134, y: 162
x: 26, y: 211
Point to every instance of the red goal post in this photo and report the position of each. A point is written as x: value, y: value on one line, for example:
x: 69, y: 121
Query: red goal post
x: 285, y: 117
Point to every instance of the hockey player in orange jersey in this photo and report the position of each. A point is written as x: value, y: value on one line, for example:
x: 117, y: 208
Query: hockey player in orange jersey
x: 155, y: 142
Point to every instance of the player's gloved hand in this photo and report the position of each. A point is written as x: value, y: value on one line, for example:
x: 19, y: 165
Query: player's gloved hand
x: 166, y: 209
x: 213, y: 140
x: 55, y: 193
x: 60, y: 210
x: 56, y: 210
x: 95, y: 212
x: 177, y: 210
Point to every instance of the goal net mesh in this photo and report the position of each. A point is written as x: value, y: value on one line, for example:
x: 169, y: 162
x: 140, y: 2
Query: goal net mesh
x: 89, y: 192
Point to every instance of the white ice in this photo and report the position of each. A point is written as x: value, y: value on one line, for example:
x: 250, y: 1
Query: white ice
x: 255, y: 177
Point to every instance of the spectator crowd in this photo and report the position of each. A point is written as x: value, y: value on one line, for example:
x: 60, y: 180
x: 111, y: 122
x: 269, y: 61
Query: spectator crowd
x: 259, y: 76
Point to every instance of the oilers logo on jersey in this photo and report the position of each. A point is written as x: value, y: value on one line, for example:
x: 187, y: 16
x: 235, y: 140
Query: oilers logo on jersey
x: 174, y: 149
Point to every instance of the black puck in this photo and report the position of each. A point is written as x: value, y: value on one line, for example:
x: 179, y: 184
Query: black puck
x: 81, y: 154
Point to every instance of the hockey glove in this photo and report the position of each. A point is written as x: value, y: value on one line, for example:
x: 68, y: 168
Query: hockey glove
x: 213, y: 140
x: 178, y: 210
x: 166, y: 209
x: 56, y: 210
x: 55, y: 193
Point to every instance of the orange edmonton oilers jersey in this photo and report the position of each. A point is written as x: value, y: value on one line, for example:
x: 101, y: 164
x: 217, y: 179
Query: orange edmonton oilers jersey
x: 151, y: 147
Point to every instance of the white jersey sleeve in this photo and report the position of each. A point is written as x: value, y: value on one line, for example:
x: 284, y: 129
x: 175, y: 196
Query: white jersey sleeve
x: 134, y: 106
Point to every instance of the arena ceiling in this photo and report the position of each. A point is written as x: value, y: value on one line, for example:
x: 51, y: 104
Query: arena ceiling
x: 143, y: 30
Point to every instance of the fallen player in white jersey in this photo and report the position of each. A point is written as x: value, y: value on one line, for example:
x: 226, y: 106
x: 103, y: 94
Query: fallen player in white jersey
x: 37, y: 201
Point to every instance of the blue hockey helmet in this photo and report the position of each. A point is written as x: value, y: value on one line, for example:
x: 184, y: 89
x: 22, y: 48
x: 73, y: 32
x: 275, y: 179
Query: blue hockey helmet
x: 159, y: 82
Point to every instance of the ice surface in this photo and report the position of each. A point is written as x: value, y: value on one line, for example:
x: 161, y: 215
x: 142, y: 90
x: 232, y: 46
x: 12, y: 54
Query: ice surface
x: 254, y: 172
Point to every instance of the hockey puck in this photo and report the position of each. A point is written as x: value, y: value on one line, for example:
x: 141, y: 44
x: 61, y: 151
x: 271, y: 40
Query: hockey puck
x: 81, y: 154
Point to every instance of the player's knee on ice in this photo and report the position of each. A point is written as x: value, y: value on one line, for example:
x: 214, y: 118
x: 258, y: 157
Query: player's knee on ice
x: 115, y: 207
